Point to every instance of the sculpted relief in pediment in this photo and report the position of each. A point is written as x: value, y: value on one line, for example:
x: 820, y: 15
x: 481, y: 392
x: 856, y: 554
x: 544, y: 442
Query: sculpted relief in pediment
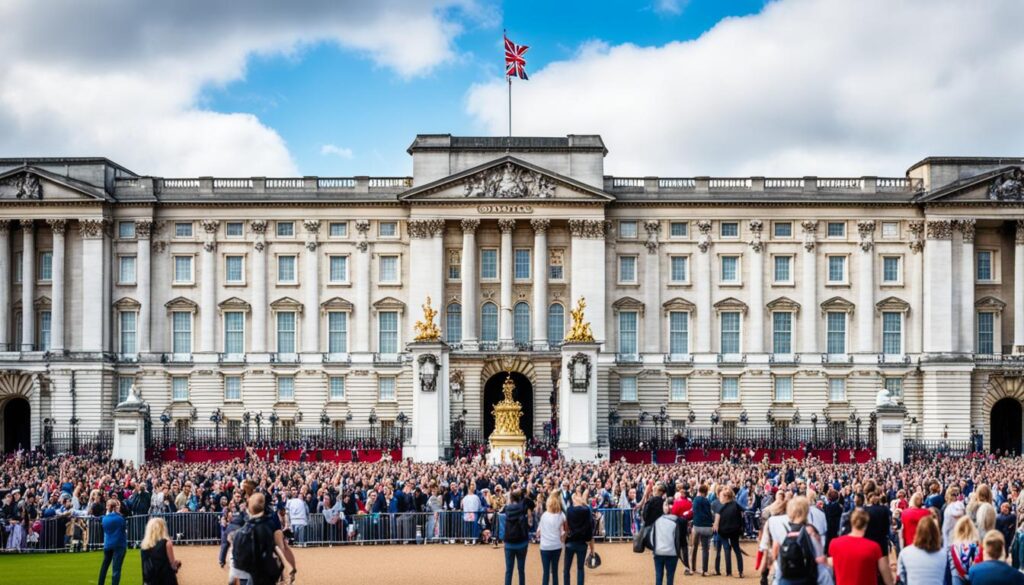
x: 22, y: 186
x: 1008, y: 187
x: 509, y: 181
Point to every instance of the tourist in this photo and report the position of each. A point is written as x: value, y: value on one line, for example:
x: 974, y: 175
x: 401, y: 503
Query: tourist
x: 799, y: 550
x: 115, y: 543
x: 1006, y: 523
x: 964, y: 551
x: 551, y: 532
x: 857, y: 560
x: 471, y: 506
x: 159, y: 567
x: 994, y: 570
x: 923, y: 562
x: 912, y: 516
x: 579, y: 536
x: 516, y: 537
x: 258, y: 547
x: 729, y: 527
x: 703, y: 527
x: 668, y: 544
x: 952, y: 512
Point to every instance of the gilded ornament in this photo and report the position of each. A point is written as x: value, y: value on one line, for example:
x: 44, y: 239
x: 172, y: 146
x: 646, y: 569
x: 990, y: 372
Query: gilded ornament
x: 426, y: 329
x: 580, y: 331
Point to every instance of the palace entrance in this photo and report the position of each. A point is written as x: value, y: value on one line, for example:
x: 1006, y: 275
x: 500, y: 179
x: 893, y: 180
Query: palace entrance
x: 1005, y: 426
x: 17, y: 425
x: 523, y: 395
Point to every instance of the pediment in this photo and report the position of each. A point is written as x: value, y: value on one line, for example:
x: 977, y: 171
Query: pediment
x: 1004, y: 185
x: 679, y: 304
x: 286, y: 304
x: 30, y: 184
x: 182, y: 304
x: 628, y: 304
x: 389, y: 304
x: 837, y: 304
x: 991, y: 304
x: 784, y: 304
x: 892, y: 304
x: 234, y: 304
x: 506, y: 179
x: 127, y: 304
x: 336, y: 304
x: 730, y: 304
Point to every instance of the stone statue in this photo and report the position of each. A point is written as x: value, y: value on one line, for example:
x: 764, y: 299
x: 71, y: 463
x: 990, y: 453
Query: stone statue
x: 26, y: 186
x: 884, y: 398
x: 1009, y: 187
x: 509, y: 181
x: 426, y: 329
x: 579, y: 331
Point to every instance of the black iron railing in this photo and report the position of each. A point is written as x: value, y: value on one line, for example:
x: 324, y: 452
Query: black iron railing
x: 918, y: 449
x: 281, y: 437
x: 721, y: 437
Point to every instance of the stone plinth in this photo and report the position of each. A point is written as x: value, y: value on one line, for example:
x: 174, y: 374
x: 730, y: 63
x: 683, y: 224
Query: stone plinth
x: 577, y: 402
x: 430, y: 401
x: 130, y: 430
x: 889, y: 429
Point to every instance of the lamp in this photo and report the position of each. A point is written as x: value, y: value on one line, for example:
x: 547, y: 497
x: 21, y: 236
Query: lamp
x: 348, y: 415
x: 743, y: 417
x: 769, y: 417
x: 691, y: 416
x: 324, y: 419
x: 796, y: 417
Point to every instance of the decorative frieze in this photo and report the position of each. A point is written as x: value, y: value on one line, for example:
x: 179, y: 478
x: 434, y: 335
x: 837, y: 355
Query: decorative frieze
x: 58, y: 226
x: 592, y: 229
x: 810, y: 228
x: 866, y: 231
x: 756, y: 228
x: 92, y: 228
x: 967, y: 227
x: 509, y: 181
x: 540, y: 224
x: 942, y: 229
x: 143, y: 229
x: 470, y: 224
x: 653, y: 229
x: 916, y: 228
x: 704, y: 239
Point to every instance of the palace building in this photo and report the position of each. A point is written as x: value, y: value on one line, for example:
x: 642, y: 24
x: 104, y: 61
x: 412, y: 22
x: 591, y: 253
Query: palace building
x: 723, y: 300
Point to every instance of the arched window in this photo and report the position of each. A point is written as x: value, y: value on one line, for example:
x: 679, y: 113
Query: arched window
x: 556, y: 324
x: 521, y: 323
x: 489, y: 322
x: 453, y: 324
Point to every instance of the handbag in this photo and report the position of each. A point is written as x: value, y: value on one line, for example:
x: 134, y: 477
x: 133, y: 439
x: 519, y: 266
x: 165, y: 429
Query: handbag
x: 593, y: 560
x: 641, y: 538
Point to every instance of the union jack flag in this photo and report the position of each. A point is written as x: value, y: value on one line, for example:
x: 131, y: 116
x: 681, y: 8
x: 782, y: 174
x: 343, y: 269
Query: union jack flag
x: 515, y: 64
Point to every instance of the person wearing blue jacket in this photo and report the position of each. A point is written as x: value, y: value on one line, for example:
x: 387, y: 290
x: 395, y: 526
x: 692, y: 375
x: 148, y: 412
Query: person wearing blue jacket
x: 115, y: 542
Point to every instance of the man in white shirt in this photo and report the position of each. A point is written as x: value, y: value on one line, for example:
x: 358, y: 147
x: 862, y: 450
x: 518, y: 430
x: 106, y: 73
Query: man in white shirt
x: 298, y: 513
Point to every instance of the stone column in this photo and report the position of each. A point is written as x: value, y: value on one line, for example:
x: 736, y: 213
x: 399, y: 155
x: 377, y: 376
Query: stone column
x: 92, y: 284
x: 653, y: 327
x: 143, y: 234
x: 208, y: 306
x: 361, y: 289
x: 57, y: 227
x: 430, y: 401
x: 470, y: 285
x: 809, y: 322
x: 938, y: 287
x: 311, y: 287
x: 28, y: 285
x: 426, y: 268
x: 703, y: 278
x: 866, y: 288
x: 259, y: 286
x: 540, y: 282
x: 506, y: 225
x: 755, y: 340
x: 967, y: 285
x: 1018, y: 289
x: 587, y: 278
x: 5, y: 285
x: 577, y: 400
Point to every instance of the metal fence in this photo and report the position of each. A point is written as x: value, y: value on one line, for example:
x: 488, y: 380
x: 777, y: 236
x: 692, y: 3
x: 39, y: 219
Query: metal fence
x: 278, y: 437
x: 917, y: 449
x: 727, y: 437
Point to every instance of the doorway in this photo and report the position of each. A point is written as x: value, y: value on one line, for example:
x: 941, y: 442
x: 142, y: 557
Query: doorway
x: 1005, y: 426
x: 17, y: 425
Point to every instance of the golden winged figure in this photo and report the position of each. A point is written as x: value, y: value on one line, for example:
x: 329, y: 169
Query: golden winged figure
x: 580, y: 331
x: 426, y: 329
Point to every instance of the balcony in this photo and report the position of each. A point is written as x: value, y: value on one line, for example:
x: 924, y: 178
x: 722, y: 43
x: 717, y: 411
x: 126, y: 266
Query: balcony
x: 127, y: 358
x: 488, y: 346
x: 628, y: 359
x: 678, y: 359
x: 284, y: 358
x: 231, y: 358
x: 784, y: 359
x: 838, y: 360
x: 387, y: 359
x: 337, y: 358
x: 893, y: 360
x: 732, y: 359
x: 176, y: 358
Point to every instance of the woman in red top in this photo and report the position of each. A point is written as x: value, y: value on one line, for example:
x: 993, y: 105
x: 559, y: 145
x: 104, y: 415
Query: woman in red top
x: 911, y: 516
x: 857, y: 560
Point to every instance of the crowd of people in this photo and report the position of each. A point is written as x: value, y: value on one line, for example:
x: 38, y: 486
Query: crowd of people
x: 812, y: 521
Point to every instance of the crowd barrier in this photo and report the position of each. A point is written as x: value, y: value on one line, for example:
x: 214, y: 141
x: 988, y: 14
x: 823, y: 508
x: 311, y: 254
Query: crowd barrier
x: 86, y: 533
x: 716, y: 455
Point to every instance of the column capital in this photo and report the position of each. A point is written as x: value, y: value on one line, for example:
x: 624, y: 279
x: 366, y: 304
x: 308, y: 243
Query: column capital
x: 942, y: 229
x: 363, y: 226
x: 1019, y: 239
x: 470, y: 224
x: 258, y: 226
x: 592, y: 229
x: 540, y: 224
x: 916, y: 228
x: 426, y: 228
x: 27, y: 224
x: 210, y: 225
x: 967, y: 228
x: 312, y: 226
x: 144, y: 229
x: 757, y: 228
x: 92, y: 228
x: 58, y: 226
x: 5, y: 226
x: 506, y: 225
x: 866, y: 231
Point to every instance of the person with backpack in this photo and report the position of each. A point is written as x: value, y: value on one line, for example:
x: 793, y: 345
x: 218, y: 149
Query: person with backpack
x: 580, y: 536
x: 964, y: 551
x: 798, y: 552
x: 517, y: 537
x: 924, y: 561
x: 255, y: 547
x: 668, y: 544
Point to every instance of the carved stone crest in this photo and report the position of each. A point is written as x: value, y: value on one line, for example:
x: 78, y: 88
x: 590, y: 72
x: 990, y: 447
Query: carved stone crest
x: 866, y: 231
x: 653, y: 228
x: 509, y: 181
x: 26, y: 186
x: 757, y: 228
x: 258, y: 226
x: 579, y: 372
x: 704, y: 240
x: 1009, y: 187
x: 810, y: 231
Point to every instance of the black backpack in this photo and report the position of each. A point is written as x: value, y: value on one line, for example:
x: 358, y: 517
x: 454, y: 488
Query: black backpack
x: 253, y: 551
x: 796, y: 555
x: 516, y: 530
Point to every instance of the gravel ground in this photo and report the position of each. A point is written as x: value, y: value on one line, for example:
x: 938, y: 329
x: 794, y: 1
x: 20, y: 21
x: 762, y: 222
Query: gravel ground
x: 443, y: 564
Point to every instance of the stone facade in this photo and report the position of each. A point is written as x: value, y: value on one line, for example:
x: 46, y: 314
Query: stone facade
x: 764, y: 296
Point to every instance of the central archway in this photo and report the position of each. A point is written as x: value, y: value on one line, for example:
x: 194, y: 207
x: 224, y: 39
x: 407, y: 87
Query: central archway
x: 493, y: 395
x: 17, y: 429
x: 1005, y: 426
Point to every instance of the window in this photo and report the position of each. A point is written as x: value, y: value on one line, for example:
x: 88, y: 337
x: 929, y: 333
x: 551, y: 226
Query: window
x: 387, y: 325
x: 234, y: 229
x: 730, y: 341
x: 338, y: 229
x: 234, y: 271
x: 386, y: 389
x: 338, y: 269
x: 679, y: 333
x: 986, y: 333
x: 18, y: 265
x: 45, y: 322
x: 837, y: 389
x: 677, y: 389
x: 782, y: 332
x: 627, y: 269
x: 678, y: 269
x: 183, y: 229
x: 232, y: 387
x: 892, y: 333
x: 286, y: 389
x: 521, y: 323
x: 895, y: 387
x: 627, y: 333
x: 489, y: 322
x: 453, y: 323
x: 783, y: 269
x: 556, y: 324
x: 489, y: 264
x: 45, y: 266
x: 285, y: 229
x: 388, y: 270
x: 986, y: 272
x: 181, y: 328
x: 286, y: 332
x: 182, y: 270
x: 730, y: 269
x: 387, y: 229
x: 836, y: 229
x: 556, y: 263
x: 521, y: 264
x: 783, y: 389
x: 678, y: 229
x: 836, y: 269
x: 129, y: 324
x: 730, y: 389
x: 126, y: 230
x: 627, y: 389
x: 234, y: 332
x: 337, y: 386
x: 627, y: 229
x: 124, y: 387
x: 835, y: 323
x: 783, y: 229
x: 286, y: 270
x: 126, y: 270
x: 337, y: 332
x: 891, y: 270
x: 730, y: 229
x: 454, y: 265
x: 890, y: 229
x: 179, y: 389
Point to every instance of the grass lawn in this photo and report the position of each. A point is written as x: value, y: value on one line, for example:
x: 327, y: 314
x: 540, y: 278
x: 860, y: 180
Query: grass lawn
x: 70, y: 569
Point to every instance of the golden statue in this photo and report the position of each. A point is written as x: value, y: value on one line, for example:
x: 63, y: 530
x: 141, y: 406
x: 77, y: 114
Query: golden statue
x: 580, y: 331
x: 426, y: 330
x: 508, y: 443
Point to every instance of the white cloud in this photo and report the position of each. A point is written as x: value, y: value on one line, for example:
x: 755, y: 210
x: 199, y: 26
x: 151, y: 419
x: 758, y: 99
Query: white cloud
x: 672, y: 7
x: 335, y: 150
x: 122, y: 79
x: 804, y: 87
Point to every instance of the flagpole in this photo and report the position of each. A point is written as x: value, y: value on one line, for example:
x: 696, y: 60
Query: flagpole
x: 509, y: 108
